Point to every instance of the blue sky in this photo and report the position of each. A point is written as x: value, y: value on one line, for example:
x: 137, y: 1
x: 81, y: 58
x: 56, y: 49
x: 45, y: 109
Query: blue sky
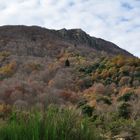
x: 114, y: 20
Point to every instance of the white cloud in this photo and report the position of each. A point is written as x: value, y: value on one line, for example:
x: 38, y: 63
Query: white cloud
x: 114, y: 20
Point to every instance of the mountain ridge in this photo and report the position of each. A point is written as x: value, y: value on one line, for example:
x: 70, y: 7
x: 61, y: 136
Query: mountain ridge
x: 71, y: 36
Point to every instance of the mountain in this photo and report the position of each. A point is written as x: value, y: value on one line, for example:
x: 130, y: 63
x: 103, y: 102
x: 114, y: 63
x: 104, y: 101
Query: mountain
x: 41, y: 66
x: 66, y: 84
x: 34, y: 40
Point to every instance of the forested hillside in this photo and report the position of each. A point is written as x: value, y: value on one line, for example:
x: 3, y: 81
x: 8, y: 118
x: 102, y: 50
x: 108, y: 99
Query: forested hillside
x: 67, y: 70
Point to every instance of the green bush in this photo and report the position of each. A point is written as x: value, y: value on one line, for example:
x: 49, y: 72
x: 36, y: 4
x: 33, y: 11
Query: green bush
x: 87, y: 110
x: 89, y: 69
x: 124, y: 110
x: 137, y: 74
x: 126, y: 97
x: 108, y: 81
x: 101, y: 66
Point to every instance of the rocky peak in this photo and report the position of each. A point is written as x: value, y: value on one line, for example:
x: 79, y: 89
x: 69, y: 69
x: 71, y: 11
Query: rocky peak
x: 35, y: 37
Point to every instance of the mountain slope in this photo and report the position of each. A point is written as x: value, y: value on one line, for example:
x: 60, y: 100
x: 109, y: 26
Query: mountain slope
x: 36, y: 40
x: 41, y: 66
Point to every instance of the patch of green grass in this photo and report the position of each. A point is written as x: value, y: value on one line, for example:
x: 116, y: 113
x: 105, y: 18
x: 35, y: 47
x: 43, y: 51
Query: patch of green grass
x: 53, y: 124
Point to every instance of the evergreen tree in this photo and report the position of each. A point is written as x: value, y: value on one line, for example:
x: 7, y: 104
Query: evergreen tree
x: 67, y: 63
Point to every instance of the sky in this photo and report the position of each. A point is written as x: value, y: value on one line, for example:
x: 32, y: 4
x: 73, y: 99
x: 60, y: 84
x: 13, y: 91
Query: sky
x: 117, y: 21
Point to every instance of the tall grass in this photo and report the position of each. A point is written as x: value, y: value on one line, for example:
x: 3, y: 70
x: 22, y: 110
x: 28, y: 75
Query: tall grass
x: 53, y: 124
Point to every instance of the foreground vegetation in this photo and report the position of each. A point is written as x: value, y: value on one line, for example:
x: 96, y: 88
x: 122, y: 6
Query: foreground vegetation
x: 65, y: 123
x: 53, y: 124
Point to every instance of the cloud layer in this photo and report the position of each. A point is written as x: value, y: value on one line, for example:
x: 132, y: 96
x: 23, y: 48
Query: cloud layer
x: 114, y: 20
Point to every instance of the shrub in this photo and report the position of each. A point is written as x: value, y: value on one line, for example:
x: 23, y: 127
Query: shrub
x: 89, y: 69
x: 4, y: 54
x: 87, y: 82
x: 108, y: 81
x: 136, y: 83
x: 125, y: 70
x: 63, y: 79
x: 32, y: 66
x: 50, y: 97
x: 101, y: 66
x: 5, y: 111
x: 69, y: 96
x: 87, y: 110
x: 124, y: 110
x: 137, y: 74
x: 105, y: 100
x: 16, y: 95
x: 119, y: 126
x: 126, y: 97
x: 119, y: 60
x: 125, y: 80
x: 82, y: 102
x: 99, y: 88
x: 137, y: 129
x: 7, y: 70
x: 20, y: 104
